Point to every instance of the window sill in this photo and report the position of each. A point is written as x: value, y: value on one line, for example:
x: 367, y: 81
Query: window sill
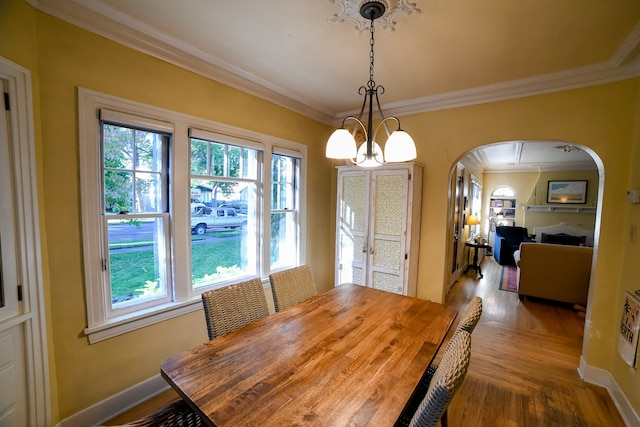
x: 122, y: 325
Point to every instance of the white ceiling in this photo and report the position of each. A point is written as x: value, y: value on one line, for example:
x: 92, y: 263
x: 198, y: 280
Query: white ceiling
x: 528, y: 156
x: 452, y: 53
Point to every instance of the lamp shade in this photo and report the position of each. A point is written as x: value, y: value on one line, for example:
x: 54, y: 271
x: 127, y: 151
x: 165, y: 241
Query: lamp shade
x: 376, y: 160
x: 472, y: 220
x: 399, y: 147
x: 341, y: 145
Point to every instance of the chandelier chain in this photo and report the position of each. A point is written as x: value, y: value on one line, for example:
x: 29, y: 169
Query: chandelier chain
x: 371, y: 83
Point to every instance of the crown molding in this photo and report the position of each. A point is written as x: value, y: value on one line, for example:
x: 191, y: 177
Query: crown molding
x: 629, y: 49
x: 94, y: 16
x: 555, y: 82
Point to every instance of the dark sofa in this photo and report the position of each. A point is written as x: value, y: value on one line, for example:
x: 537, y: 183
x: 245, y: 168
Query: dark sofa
x: 507, y: 241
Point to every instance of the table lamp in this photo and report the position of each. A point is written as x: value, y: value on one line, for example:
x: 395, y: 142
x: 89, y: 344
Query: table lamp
x: 472, y: 220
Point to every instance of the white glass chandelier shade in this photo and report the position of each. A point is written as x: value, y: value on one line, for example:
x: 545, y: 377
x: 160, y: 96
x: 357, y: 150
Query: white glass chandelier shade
x: 376, y: 158
x: 399, y: 147
x: 341, y: 145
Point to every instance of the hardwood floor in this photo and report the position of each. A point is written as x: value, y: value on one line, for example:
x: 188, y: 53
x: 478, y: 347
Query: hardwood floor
x: 148, y: 407
x: 523, y: 370
x: 524, y: 359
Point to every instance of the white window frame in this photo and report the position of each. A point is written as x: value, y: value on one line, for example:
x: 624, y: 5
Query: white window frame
x: 297, y: 196
x: 185, y: 300
x: 164, y: 248
x: 213, y: 137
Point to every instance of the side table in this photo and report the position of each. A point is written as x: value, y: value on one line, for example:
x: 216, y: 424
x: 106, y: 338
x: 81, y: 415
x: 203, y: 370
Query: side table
x: 475, y: 265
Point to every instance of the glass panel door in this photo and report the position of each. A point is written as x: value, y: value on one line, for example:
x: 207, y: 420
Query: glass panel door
x: 352, y: 235
x: 388, y: 216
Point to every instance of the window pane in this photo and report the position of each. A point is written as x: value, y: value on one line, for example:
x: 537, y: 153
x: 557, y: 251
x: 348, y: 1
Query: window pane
x: 199, y: 157
x: 249, y: 164
x: 282, y: 197
x: 234, y: 161
x: 148, y: 151
x: 224, y: 244
x: 118, y: 192
x: 218, y: 164
x: 148, y: 195
x: 136, y: 260
x: 284, y: 249
x: 118, y: 147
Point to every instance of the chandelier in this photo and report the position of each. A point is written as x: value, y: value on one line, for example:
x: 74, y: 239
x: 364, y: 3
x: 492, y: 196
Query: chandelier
x: 342, y: 143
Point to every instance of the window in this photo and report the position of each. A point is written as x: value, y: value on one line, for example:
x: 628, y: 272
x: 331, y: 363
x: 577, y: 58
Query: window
x: 224, y: 245
x: 475, y: 202
x: 174, y: 205
x: 285, y: 176
x: 502, y: 206
x: 135, y: 216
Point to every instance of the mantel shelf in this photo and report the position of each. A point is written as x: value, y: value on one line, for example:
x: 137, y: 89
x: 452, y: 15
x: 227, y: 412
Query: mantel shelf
x: 559, y: 208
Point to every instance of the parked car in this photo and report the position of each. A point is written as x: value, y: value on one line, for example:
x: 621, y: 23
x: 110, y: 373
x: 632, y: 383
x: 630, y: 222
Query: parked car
x: 206, y: 218
x: 240, y: 206
x: 200, y: 209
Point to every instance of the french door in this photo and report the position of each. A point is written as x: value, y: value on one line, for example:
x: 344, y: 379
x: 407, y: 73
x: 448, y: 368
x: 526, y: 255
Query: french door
x: 373, y: 218
x: 24, y: 382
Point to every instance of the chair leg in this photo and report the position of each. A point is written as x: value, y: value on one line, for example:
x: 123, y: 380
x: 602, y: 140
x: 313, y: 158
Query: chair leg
x: 443, y: 421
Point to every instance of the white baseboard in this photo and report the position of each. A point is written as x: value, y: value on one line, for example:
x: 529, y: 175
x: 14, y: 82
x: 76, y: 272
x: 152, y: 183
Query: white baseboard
x: 602, y: 378
x: 116, y: 404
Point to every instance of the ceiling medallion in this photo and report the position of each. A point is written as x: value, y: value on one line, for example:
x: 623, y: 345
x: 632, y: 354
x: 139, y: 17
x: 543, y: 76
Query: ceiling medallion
x: 350, y: 10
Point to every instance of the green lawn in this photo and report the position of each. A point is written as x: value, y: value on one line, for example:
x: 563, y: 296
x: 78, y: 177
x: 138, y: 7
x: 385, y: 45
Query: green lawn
x: 131, y: 270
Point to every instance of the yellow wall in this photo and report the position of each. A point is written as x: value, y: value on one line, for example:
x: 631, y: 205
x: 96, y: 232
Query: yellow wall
x: 63, y: 57
x: 627, y: 377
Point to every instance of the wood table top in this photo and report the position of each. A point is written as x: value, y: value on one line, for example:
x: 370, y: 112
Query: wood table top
x: 350, y: 356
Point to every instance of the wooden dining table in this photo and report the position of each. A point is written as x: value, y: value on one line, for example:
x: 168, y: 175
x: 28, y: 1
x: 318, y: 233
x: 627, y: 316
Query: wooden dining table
x: 351, y: 356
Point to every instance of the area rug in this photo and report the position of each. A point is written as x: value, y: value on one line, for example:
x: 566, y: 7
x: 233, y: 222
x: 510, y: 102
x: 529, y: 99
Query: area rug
x: 509, y: 278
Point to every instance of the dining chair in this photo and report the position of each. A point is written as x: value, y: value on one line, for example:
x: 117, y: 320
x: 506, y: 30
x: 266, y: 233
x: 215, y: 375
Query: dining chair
x: 471, y: 316
x: 229, y: 308
x: 470, y: 319
x: 446, y: 380
x: 176, y: 414
x: 292, y: 286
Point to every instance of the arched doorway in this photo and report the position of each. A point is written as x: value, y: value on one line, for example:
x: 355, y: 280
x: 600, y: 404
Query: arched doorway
x: 529, y: 180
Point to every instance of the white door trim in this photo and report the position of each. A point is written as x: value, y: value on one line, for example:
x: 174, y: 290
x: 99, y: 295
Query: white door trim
x: 32, y: 315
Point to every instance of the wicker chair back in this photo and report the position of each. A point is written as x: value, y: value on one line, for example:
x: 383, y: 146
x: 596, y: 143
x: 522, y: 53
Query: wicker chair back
x: 292, y: 286
x: 232, y: 307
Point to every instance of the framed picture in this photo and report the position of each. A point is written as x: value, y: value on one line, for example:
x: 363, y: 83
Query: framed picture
x: 629, y: 328
x: 567, y: 192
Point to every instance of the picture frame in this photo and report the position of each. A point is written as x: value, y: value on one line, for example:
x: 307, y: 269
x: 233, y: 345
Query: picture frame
x: 629, y: 329
x: 567, y: 192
